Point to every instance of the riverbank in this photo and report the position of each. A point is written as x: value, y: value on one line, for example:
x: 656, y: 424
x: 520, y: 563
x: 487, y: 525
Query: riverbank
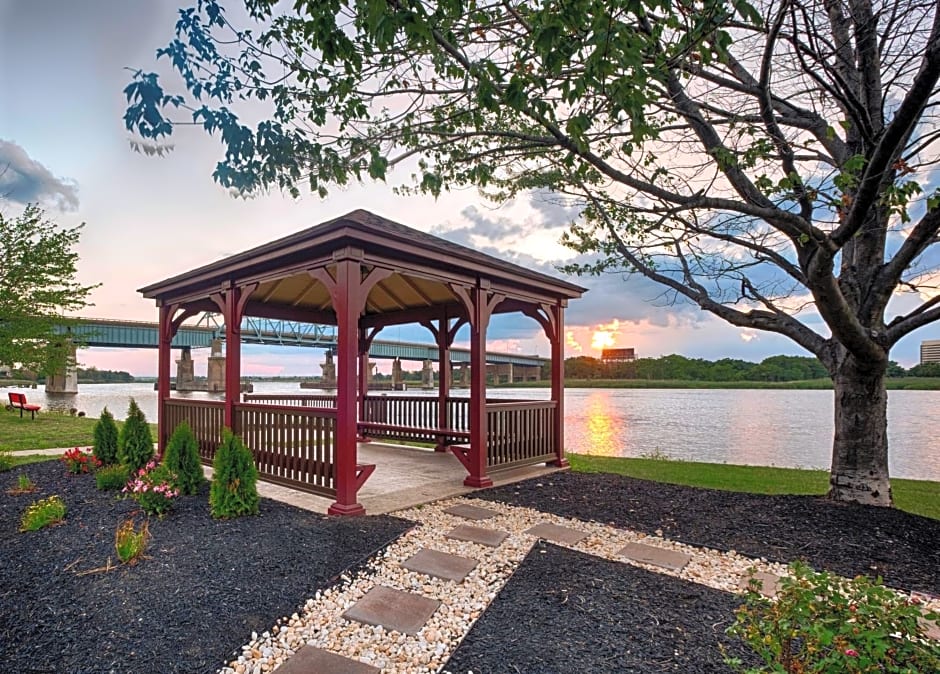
x: 894, y: 384
x: 47, y: 430
x: 919, y: 497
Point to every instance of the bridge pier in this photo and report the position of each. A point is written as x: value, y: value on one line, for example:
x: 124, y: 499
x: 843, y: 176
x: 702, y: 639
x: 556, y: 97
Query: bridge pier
x: 185, y: 371
x: 396, y: 374
x: 216, y: 376
x: 328, y: 368
x: 427, y: 374
x: 66, y: 380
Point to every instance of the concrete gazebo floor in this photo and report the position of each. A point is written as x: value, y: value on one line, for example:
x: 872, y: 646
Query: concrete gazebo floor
x: 404, y: 477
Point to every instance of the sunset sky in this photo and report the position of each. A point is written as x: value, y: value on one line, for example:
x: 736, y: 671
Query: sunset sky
x: 63, y: 65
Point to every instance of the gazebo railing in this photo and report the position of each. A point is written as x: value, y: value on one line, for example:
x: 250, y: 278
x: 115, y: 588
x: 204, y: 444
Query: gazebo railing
x: 520, y: 433
x: 292, y: 400
x: 292, y: 445
x: 205, y: 418
x: 292, y: 436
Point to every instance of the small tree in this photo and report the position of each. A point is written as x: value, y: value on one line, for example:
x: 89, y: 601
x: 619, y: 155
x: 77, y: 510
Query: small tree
x: 234, y: 490
x: 105, y: 448
x: 136, y: 443
x: 37, y: 286
x: 182, y: 458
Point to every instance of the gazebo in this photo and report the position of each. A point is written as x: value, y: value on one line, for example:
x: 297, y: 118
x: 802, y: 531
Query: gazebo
x: 362, y: 273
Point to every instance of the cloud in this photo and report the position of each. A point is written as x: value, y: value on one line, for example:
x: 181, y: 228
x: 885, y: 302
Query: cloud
x: 24, y: 180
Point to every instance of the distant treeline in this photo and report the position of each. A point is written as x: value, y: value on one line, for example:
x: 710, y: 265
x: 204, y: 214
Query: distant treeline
x: 775, y: 368
x: 91, y: 375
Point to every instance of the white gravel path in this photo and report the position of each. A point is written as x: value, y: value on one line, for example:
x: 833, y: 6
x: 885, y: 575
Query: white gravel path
x: 320, y: 624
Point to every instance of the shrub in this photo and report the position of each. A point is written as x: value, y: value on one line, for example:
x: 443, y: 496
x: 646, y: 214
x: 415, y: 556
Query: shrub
x: 821, y: 623
x: 182, y: 458
x: 234, y: 490
x: 108, y: 478
x: 154, y: 488
x: 130, y: 543
x: 78, y: 462
x: 106, y: 439
x: 43, y: 513
x: 135, y: 446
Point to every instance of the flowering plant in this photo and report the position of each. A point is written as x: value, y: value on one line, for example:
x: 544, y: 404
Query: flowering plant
x: 154, y: 488
x: 76, y: 461
x: 821, y: 623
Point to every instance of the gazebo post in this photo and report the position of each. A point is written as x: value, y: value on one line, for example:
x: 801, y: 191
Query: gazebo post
x: 347, y: 301
x: 233, y: 357
x: 366, y: 337
x: 348, y: 292
x: 558, y: 383
x: 444, y: 340
x: 482, y: 304
x: 163, y: 371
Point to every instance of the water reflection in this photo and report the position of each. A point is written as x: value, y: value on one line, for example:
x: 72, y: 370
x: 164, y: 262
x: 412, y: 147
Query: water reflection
x: 604, y: 435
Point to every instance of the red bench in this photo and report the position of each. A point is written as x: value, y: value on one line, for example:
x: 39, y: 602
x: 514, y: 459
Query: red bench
x: 19, y: 400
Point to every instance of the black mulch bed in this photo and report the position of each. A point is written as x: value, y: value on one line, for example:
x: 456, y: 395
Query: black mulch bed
x: 848, y: 539
x: 566, y: 612
x: 205, y: 587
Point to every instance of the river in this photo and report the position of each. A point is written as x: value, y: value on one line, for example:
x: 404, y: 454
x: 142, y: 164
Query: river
x: 761, y: 427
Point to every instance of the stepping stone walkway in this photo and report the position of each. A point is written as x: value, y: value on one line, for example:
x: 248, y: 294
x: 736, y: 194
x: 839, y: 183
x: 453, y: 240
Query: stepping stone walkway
x: 393, y: 609
x: 655, y: 556
x: 488, y: 537
x: 769, y: 583
x: 310, y: 660
x: 557, y: 534
x: 471, y: 512
x: 440, y: 564
x: 409, y: 609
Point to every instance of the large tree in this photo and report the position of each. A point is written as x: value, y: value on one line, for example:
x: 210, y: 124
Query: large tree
x: 37, y: 288
x: 768, y: 163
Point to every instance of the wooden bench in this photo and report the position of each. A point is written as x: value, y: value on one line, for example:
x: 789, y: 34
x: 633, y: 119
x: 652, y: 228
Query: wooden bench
x: 19, y: 400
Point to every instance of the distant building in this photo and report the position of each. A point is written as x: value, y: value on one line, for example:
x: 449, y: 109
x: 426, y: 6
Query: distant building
x: 627, y: 355
x: 930, y: 351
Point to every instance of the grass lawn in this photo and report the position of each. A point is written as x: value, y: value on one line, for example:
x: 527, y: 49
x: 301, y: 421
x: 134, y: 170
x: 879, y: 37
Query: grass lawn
x: 915, y: 496
x: 48, y: 429
x: 26, y: 459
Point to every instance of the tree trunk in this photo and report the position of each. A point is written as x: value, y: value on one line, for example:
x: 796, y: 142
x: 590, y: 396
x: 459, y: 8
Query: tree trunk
x: 860, y: 447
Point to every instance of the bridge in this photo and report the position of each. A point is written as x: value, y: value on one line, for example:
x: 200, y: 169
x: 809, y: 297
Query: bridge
x: 140, y: 334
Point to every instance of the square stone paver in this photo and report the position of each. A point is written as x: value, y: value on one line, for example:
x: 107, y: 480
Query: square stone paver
x: 650, y: 554
x: 557, y: 533
x: 770, y: 583
x: 490, y: 537
x: 393, y: 609
x: 312, y: 660
x: 440, y: 564
x: 471, y: 512
x: 931, y: 629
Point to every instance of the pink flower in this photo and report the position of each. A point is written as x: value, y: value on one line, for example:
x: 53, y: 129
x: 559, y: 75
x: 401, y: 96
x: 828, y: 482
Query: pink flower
x: 851, y: 652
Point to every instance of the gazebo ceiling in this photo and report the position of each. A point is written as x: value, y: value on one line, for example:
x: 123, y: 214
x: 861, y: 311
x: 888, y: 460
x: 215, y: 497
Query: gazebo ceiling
x: 424, y: 270
x: 396, y: 293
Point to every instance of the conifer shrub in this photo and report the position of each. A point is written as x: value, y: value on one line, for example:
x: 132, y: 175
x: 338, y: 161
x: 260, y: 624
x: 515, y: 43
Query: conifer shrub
x: 105, y: 448
x: 135, y: 446
x: 234, y: 490
x: 182, y: 458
